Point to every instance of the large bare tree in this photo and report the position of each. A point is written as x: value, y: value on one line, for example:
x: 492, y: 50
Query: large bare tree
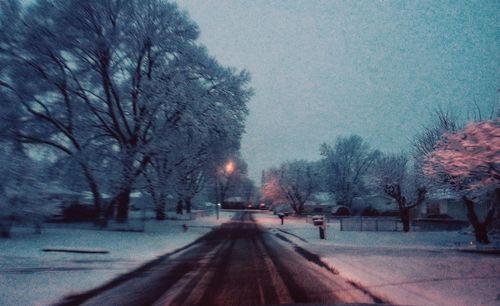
x: 345, y: 164
x: 103, y: 82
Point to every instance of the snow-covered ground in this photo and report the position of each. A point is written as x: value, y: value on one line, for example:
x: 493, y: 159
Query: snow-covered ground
x: 30, y: 276
x: 416, y: 268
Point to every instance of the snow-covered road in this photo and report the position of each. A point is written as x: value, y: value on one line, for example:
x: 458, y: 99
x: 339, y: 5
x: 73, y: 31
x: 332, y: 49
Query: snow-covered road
x: 416, y: 268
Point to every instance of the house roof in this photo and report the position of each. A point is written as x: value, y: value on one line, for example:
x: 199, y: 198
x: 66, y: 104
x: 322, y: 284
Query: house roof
x: 234, y: 199
x: 443, y: 194
x: 375, y: 195
x: 314, y: 203
x: 323, y: 197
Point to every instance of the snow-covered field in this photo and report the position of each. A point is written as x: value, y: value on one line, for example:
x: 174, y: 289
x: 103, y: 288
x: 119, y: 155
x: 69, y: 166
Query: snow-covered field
x: 416, y: 268
x: 30, y: 276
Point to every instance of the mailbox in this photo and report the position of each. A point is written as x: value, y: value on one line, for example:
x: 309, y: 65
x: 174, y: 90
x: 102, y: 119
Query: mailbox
x: 318, y: 220
x: 282, y: 217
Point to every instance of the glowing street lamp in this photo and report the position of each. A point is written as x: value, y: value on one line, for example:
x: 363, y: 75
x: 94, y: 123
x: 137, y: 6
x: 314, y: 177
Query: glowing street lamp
x: 229, y: 167
x: 223, y: 183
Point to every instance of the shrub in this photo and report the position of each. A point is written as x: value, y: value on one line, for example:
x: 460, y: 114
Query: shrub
x: 370, y: 212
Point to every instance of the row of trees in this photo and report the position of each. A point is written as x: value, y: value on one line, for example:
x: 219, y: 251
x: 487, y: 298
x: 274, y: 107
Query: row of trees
x: 444, y: 155
x: 120, y: 96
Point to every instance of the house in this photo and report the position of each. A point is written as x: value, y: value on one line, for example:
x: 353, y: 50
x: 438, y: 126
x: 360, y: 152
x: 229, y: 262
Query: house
x: 324, y: 197
x: 320, y: 203
x: 311, y: 207
x: 378, y: 203
x: 447, y: 203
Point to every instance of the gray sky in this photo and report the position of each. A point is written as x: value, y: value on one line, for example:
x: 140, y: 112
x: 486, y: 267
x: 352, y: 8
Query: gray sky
x: 321, y: 69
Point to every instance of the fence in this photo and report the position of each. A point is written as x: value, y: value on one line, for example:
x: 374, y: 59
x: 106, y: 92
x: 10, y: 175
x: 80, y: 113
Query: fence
x: 389, y: 224
x: 370, y: 224
x: 367, y: 224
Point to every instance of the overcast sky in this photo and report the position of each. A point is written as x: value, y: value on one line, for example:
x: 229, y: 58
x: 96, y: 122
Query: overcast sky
x: 321, y: 69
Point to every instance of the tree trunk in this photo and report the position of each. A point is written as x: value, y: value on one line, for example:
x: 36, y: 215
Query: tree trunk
x: 122, y: 201
x: 178, y: 208
x: 405, y: 218
x: 93, y: 188
x: 480, y: 228
x: 160, y: 207
x: 394, y: 191
x: 301, y: 209
x: 158, y: 196
x: 101, y: 211
x: 160, y: 212
x: 187, y: 202
x: 295, y: 206
x: 481, y: 233
x: 130, y: 173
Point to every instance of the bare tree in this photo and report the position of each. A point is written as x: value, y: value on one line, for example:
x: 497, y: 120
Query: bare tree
x: 270, y: 188
x: 47, y: 108
x: 443, y: 121
x: 190, y: 176
x: 102, y: 78
x: 391, y: 174
x: 345, y: 165
x: 296, y: 181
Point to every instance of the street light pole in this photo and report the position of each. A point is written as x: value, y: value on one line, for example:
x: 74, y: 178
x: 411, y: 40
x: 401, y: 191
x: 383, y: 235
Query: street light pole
x: 224, y: 173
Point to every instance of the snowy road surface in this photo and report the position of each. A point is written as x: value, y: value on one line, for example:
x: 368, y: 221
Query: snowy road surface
x: 236, y: 264
x: 416, y: 268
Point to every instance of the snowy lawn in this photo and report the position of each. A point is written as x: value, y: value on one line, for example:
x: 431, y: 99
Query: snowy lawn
x: 30, y: 276
x: 416, y: 268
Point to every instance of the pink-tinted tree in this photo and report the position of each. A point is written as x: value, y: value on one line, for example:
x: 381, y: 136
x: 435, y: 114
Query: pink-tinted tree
x: 469, y: 161
x: 270, y: 190
x: 293, y: 182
